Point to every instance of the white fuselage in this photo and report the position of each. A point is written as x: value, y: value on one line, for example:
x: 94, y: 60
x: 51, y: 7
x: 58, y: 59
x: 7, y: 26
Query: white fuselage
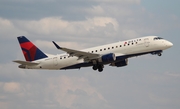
x: 131, y: 47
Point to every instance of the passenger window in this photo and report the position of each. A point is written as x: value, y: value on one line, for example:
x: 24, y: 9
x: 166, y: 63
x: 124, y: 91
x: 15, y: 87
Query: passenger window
x: 100, y: 49
x: 104, y: 48
x: 120, y: 46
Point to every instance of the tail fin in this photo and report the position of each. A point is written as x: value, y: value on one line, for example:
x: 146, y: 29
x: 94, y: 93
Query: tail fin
x: 30, y: 51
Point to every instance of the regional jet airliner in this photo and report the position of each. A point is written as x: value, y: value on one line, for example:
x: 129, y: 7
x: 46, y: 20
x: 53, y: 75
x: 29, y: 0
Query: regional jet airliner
x: 115, y: 54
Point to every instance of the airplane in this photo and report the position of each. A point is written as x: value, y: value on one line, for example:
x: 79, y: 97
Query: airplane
x: 115, y: 54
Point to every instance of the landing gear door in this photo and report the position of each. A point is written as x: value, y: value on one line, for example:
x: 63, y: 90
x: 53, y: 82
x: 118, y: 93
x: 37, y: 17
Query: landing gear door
x: 146, y: 42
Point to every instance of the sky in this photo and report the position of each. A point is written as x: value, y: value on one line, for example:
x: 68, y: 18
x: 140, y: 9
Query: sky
x: 148, y: 82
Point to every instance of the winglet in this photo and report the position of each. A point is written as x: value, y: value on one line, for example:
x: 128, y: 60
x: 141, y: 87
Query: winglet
x: 57, y: 46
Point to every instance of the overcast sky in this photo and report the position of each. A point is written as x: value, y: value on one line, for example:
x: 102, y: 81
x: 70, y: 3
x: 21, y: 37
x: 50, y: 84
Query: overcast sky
x: 148, y: 82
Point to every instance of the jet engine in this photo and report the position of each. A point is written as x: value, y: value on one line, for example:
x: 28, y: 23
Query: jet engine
x: 120, y: 63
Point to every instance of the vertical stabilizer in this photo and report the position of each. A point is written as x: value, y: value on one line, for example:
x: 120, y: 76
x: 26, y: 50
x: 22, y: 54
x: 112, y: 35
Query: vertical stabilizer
x: 30, y: 51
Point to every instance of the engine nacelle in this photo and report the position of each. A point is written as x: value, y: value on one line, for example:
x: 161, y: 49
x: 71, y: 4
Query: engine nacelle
x: 108, y: 58
x: 120, y: 63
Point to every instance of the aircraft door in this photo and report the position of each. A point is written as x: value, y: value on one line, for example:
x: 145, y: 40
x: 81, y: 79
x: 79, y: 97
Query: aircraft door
x: 55, y: 61
x: 146, y: 42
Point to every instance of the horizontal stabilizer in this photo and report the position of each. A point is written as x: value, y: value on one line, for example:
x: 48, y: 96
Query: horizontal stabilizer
x: 25, y: 62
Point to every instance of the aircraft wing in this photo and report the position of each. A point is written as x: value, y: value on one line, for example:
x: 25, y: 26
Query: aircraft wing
x: 25, y: 62
x: 80, y: 54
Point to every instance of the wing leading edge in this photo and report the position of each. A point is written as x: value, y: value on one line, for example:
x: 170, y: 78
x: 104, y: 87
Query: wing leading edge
x: 79, y: 54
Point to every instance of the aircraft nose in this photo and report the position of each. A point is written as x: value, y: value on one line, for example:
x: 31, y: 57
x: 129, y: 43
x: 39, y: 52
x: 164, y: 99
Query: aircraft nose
x: 169, y: 44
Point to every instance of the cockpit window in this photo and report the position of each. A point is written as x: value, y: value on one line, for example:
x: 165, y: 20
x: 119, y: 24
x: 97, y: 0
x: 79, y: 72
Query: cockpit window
x: 158, y: 38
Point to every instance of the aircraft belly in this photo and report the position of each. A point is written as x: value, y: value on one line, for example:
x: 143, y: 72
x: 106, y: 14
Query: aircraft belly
x: 69, y: 62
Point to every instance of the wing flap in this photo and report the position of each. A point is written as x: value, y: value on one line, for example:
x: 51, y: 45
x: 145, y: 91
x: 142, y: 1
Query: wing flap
x: 25, y: 62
